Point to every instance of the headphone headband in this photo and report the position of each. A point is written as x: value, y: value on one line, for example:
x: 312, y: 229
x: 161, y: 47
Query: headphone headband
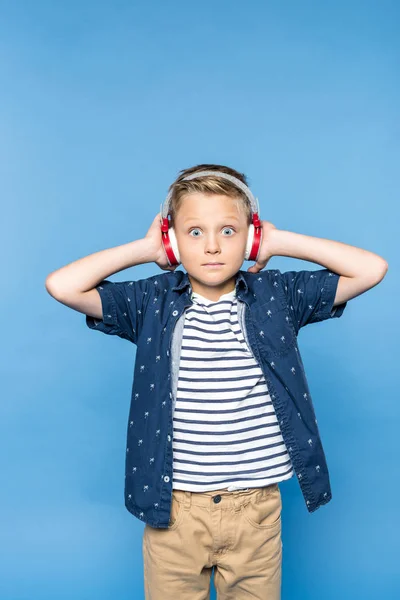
x: 253, y: 201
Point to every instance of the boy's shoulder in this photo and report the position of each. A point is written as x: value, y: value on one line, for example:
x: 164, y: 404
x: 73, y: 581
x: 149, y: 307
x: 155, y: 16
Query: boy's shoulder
x: 167, y: 280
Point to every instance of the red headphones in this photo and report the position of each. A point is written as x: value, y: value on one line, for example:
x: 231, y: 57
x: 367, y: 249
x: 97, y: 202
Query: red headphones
x: 254, y: 236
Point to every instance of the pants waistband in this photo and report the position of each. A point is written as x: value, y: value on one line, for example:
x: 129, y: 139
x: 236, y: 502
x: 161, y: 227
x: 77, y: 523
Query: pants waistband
x: 225, y: 499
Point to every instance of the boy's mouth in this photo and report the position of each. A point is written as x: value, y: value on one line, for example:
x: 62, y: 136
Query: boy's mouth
x: 214, y: 264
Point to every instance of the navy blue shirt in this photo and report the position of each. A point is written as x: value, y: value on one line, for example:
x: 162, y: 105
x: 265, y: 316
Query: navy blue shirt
x: 275, y: 306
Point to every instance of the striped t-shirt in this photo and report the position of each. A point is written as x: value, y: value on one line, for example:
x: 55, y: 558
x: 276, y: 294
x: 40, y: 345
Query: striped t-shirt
x: 225, y: 430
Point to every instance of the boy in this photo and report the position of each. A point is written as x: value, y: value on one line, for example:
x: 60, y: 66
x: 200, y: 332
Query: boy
x: 221, y: 411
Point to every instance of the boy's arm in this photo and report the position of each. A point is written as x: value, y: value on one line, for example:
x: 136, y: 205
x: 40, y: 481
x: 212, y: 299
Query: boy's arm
x: 359, y: 270
x: 75, y: 284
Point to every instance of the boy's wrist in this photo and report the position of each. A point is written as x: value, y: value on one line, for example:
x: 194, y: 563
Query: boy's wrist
x: 143, y: 251
x: 278, y: 242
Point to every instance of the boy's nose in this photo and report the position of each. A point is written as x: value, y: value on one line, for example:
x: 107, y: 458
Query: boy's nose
x: 212, y: 245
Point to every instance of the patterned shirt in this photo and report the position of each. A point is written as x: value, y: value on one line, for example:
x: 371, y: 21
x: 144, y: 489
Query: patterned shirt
x: 272, y: 307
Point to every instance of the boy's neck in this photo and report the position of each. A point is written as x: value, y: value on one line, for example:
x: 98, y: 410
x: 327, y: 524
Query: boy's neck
x: 212, y: 293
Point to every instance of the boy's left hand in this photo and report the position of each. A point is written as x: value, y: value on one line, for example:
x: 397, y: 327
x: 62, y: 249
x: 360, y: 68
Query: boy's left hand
x: 266, y: 251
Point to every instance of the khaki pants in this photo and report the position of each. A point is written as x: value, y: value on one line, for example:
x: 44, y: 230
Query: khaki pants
x: 238, y: 533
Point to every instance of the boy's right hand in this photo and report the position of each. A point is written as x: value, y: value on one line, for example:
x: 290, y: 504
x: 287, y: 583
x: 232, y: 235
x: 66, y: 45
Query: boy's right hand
x: 154, y: 237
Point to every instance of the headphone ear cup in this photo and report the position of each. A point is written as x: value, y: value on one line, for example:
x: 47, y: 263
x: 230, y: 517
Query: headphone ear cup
x: 249, y: 244
x: 174, y: 244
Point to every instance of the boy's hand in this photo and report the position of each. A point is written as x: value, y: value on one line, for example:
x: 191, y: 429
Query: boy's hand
x: 266, y: 250
x: 154, y: 238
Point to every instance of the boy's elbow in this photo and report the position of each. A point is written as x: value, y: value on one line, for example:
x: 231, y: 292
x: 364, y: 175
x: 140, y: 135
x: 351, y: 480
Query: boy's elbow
x: 51, y: 286
x: 379, y: 270
x: 384, y: 268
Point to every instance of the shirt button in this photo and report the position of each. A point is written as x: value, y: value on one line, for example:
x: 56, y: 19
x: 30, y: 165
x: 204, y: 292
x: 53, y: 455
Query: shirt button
x: 169, y: 438
x: 175, y: 313
x: 166, y: 479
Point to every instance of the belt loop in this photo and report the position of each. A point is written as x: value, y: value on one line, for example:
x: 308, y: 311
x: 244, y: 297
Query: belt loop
x: 236, y: 502
x: 188, y: 500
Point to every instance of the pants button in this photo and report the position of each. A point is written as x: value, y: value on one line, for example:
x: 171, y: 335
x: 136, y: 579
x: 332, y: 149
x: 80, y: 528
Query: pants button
x: 217, y: 499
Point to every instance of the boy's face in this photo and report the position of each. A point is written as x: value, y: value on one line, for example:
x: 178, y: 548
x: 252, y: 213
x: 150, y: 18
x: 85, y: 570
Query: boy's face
x: 210, y: 228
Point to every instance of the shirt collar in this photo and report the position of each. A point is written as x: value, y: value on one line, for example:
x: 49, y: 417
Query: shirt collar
x: 186, y: 282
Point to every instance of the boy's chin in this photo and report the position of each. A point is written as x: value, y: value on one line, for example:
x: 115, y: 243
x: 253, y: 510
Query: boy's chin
x: 212, y: 277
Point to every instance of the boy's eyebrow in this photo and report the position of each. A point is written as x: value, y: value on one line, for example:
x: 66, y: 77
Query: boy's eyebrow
x: 228, y: 218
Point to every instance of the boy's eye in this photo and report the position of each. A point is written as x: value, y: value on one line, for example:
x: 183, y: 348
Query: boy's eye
x: 197, y: 229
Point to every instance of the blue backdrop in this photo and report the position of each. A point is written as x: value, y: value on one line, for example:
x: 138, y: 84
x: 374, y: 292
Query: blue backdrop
x: 101, y: 104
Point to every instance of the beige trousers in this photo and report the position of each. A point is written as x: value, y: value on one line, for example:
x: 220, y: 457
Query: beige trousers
x: 238, y: 533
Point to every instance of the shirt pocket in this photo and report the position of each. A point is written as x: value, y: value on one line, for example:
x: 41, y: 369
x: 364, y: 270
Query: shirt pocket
x: 274, y: 329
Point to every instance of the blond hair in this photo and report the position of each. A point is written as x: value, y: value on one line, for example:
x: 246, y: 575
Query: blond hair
x: 208, y: 184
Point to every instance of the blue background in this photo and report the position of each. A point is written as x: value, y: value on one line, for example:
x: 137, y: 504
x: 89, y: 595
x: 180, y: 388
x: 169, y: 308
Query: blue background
x: 101, y: 104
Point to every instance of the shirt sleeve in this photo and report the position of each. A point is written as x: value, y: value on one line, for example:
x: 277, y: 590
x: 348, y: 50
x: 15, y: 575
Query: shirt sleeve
x: 123, y: 305
x: 310, y: 296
